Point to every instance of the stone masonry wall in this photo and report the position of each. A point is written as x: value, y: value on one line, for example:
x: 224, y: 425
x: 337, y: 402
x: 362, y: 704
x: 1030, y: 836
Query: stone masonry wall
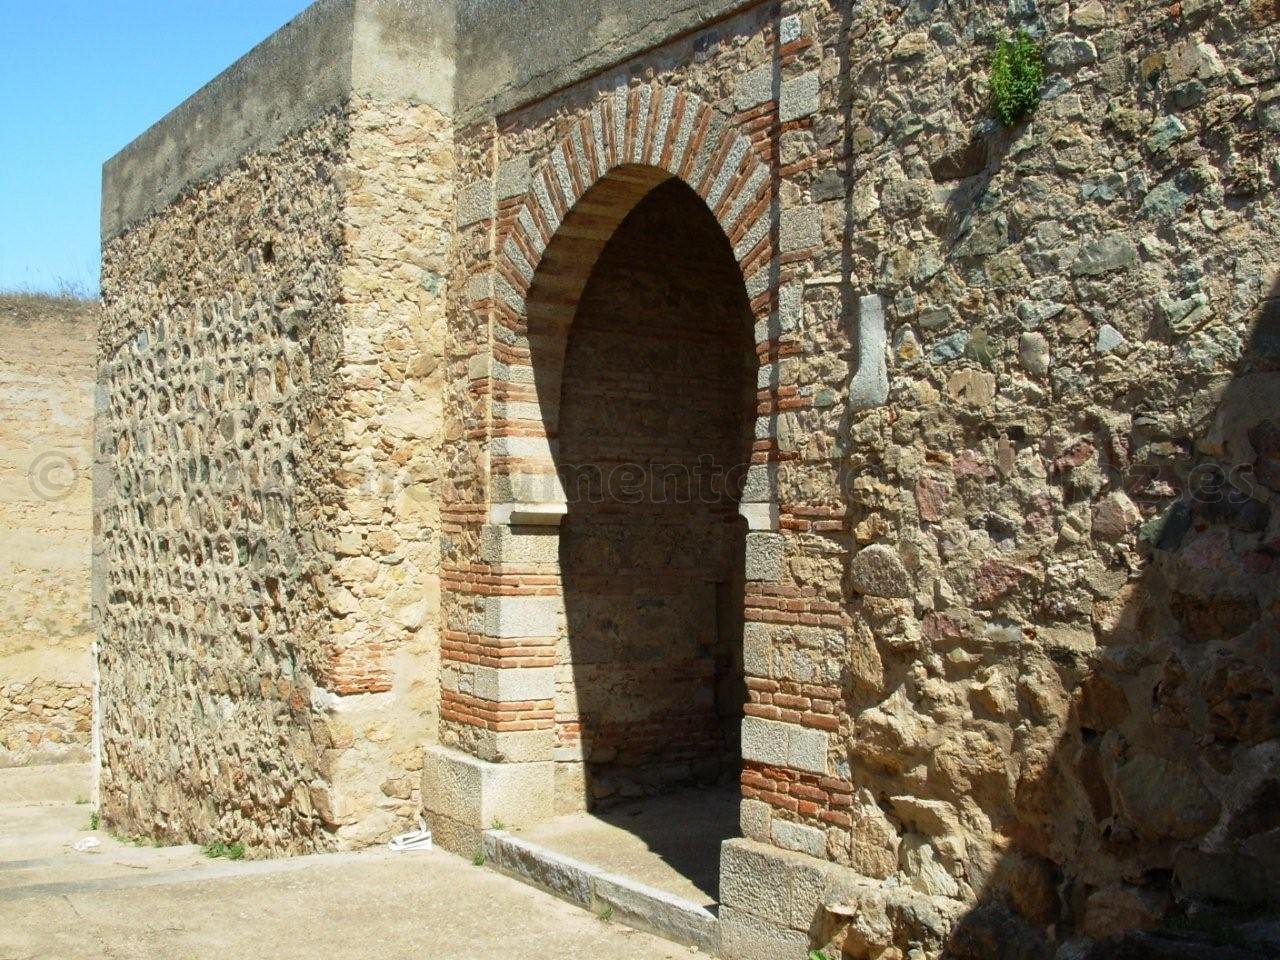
x: 1010, y: 601
x: 1014, y: 681
x: 46, y: 383
x: 265, y: 361
x: 383, y: 652
x: 218, y: 356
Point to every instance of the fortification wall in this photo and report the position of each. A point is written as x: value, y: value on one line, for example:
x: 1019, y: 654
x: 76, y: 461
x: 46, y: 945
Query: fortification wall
x: 218, y: 358
x: 46, y: 391
x: 1011, y: 609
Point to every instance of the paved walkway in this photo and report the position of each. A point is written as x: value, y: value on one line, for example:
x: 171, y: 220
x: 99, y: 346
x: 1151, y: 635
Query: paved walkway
x: 122, y: 902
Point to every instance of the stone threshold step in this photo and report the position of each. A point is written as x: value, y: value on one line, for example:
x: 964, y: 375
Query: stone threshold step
x: 627, y: 901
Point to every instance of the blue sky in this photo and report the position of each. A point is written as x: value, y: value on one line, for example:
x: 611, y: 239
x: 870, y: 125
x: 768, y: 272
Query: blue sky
x: 79, y: 79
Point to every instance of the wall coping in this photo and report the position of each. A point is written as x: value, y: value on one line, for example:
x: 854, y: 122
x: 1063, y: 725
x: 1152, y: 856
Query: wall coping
x: 332, y: 51
x: 470, y: 59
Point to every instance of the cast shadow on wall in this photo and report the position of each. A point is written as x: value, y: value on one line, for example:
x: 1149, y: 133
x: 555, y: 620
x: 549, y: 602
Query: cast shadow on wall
x: 1109, y: 789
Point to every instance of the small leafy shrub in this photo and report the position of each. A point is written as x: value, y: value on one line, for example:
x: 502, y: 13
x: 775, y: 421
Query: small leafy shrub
x: 94, y: 820
x: 220, y: 850
x: 478, y: 858
x: 1017, y: 75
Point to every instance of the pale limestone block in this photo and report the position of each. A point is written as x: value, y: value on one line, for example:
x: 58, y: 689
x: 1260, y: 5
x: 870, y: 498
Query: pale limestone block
x: 515, y: 685
x: 544, y: 201
x: 764, y: 741
x: 744, y: 936
x: 500, y: 543
x: 746, y: 195
x: 560, y: 167
x: 753, y: 878
x: 799, y: 97
x: 708, y: 149
x: 619, y: 122
x: 800, y: 228
x: 759, y: 516
x: 476, y: 793
x: 529, y: 448
x: 728, y: 168
x: 642, y: 123
x: 754, y: 817
x: 522, y: 616
x: 475, y: 203
x: 799, y: 837
x: 761, y: 482
x: 758, y: 231
x: 764, y: 557
x: 807, y: 749
x: 666, y: 108
x: 757, y: 648
x: 754, y: 87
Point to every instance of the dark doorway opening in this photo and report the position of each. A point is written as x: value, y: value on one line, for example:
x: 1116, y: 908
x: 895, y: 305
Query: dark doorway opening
x: 655, y: 422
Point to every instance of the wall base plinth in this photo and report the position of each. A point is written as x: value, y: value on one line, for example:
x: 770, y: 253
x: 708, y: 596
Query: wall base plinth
x: 776, y: 904
x: 462, y: 796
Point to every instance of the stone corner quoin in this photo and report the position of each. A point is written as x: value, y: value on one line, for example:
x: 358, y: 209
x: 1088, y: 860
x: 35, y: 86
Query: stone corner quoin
x: 984, y: 623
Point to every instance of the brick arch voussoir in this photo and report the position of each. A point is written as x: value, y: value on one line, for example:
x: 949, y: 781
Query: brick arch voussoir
x: 625, y: 139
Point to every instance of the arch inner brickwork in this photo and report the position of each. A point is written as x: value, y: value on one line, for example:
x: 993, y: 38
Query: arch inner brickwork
x: 652, y: 441
x: 619, y: 151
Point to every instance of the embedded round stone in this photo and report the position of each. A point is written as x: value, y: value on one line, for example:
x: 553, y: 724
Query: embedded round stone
x: 878, y: 571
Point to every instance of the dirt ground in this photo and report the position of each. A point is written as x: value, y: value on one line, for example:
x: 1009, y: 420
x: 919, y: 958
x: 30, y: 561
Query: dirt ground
x: 123, y: 902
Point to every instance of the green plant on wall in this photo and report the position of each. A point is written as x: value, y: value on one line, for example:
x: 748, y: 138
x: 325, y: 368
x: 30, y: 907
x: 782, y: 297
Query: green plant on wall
x: 1017, y: 75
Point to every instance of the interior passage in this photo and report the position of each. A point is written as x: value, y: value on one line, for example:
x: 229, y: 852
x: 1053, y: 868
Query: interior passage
x: 655, y: 415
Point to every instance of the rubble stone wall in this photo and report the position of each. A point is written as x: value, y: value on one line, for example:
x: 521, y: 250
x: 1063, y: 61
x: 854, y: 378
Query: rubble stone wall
x: 46, y: 391
x: 383, y: 650
x: 267, y: 371
x: 218, y: 357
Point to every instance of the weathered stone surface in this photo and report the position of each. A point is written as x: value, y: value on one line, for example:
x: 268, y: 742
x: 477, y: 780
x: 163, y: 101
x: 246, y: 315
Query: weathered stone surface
x: 764, y: 556
x: 1115, y: 517
x: 878, y: 571
x: 1119, y: 909
x: 293, y: 255
x: 932, y: 494
x: 799, y: 97
x: 1069, y: 53
x: 46, y: 457
x: 1105, y: 255
x: 1090, y: 16
x: 874, y: 839
x: 1033, y: 351
x: 1163, y: 799
x: 976, y: 674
